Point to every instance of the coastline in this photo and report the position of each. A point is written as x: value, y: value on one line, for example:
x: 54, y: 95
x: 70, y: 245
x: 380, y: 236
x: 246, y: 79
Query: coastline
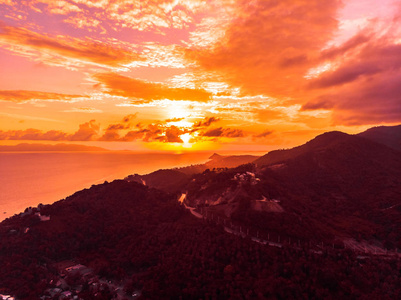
x: 31, y: 178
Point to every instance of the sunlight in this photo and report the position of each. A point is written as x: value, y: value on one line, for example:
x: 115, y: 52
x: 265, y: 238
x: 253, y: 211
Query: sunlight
x: 316, y: 72
x: 177, y: 110
x: 180, y: 123
x: 186, y: 137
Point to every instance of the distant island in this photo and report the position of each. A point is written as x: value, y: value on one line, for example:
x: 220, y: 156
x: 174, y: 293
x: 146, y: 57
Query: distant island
x: 44, y: 147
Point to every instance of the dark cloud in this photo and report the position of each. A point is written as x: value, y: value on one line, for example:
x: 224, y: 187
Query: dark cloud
x: 264, y: 134
x: 346, y: 74
x: 134, y: 135
x: 206, y: 122
x: 224, y: 132
x: 173, y: 135
x: 356, y: 41
x: 129, y: 118
x: 365, y: 88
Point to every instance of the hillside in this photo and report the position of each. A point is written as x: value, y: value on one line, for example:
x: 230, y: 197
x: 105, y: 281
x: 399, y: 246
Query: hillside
x: 335, y: 186
x: 174, y: 180
x: 319, y: 143
x: 169, y: 181
x: 122, y: 240
x: 232, y: 161
x: 387, y: 135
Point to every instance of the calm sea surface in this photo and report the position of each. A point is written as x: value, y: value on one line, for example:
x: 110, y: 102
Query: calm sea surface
x: 27, y: 179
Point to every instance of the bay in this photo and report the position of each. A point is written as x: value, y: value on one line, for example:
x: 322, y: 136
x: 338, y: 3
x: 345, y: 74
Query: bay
x: 30, y: 178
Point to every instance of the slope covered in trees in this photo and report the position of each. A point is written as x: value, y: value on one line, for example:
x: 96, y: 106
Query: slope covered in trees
x: 387, y: 135
x: 144, y: 239
x: 335, y: 186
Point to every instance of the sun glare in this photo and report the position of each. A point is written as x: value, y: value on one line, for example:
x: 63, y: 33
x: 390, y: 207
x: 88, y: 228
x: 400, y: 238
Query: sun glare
x: 180, y: 123
x: 177, y: 110
x: 186, y: 137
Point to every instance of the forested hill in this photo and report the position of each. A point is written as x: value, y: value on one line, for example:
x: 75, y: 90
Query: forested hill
x: 387, y: 135
x: 133, y: 242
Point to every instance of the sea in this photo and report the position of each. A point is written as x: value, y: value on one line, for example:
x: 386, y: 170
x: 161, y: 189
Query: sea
x: 30, y: 178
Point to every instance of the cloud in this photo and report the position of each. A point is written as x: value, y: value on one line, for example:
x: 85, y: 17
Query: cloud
x: 134, y: 135
x: 345, y: 75
x: 86, y: 132
x: 124, y: 131
x: 173, y: 135
x: 144, y: 15
x: 365, y: 87
x: 224, y: 132
x: 174, y: 120
x: 152, y: 132
x: 33, y: 134
x: 60, y: 7
x: 73, y: 50
x: 269, y: 45
x: 206, y: 122
x: 129, y: 118
x: 264, y: 134
x: 119, y: 85
x: 156, y: 132
x: 112, y: 131
x: 26, y: 96
x: 354, y: 42
x: 89, y: 110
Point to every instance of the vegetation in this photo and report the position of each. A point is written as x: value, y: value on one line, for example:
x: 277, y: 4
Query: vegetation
x: 144, y: 242
x: 125, y: 231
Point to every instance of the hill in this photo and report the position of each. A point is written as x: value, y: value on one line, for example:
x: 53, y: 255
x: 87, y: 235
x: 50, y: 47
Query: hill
x: 173, y: 180
x: 232, y: 161
x: 122, y: 240
x: 168, y: 180
x: 319, y: 143
x: 335, y: 186
x: 387, y: 135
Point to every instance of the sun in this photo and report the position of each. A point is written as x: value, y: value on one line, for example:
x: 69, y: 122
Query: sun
x: 186, y: 137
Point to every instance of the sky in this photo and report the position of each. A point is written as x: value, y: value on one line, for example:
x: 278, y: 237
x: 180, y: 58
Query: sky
x: 195, y: 75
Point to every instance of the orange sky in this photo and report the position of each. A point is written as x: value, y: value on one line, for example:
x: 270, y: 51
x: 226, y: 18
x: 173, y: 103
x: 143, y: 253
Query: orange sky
x: 182, y: 75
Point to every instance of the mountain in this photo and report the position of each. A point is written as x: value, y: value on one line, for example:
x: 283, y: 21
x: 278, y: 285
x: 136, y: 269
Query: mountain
x: 335, y: 186
x: 46, y: 147
x: 319, y: 143
x: 387, y: 135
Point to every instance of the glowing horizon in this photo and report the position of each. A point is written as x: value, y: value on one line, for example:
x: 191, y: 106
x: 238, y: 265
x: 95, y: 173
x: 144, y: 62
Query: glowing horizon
x: 195, y: 75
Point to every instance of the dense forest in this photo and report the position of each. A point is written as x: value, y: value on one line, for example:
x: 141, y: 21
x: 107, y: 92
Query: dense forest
x: 143, y: 239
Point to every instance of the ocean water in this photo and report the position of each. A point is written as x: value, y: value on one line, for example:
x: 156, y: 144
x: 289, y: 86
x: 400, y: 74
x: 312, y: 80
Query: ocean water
x: 27, y: 179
